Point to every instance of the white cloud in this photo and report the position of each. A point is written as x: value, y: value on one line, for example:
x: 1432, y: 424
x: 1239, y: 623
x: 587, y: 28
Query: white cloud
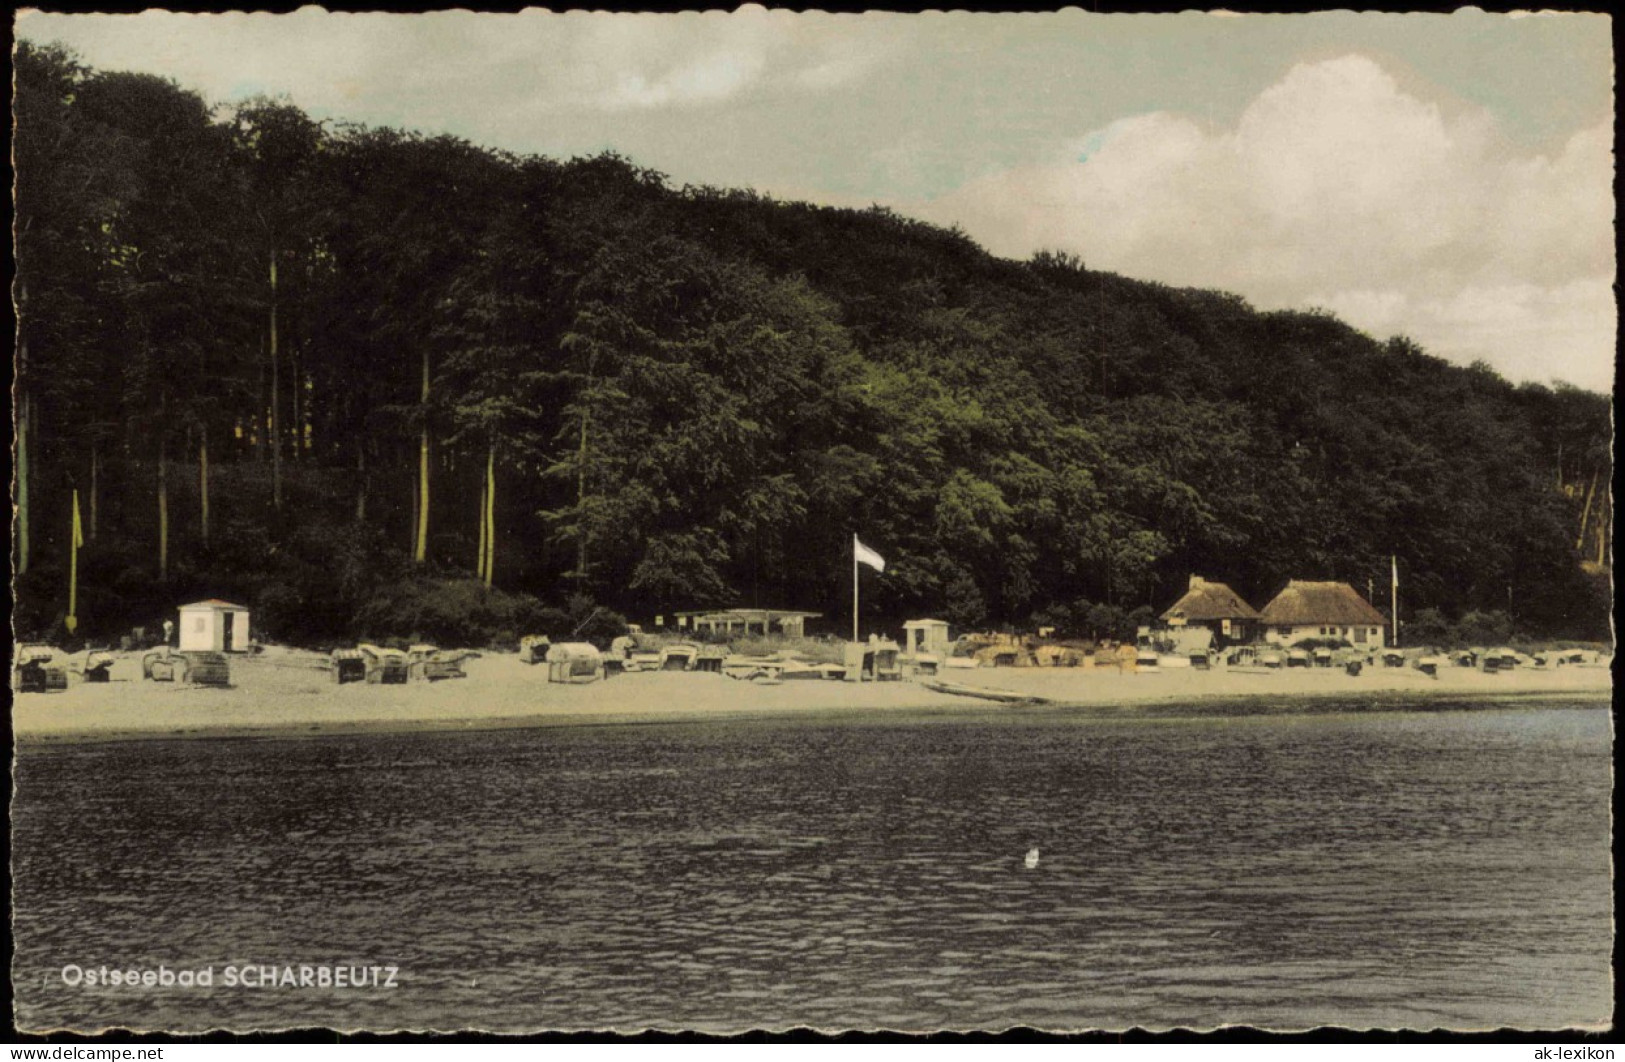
x: 1337, y: 188
x: 630, y: 62
x: 706, y: 58
x: 550, y: 61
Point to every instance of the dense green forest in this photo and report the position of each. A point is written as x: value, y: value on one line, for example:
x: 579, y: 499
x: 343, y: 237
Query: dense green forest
x: 374, y: 383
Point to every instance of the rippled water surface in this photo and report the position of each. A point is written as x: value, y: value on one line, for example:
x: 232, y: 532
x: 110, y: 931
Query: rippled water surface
x: 1367, y: 869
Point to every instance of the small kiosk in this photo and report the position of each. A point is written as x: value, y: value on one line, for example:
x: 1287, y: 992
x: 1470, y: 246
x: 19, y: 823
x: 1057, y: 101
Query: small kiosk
x: 926, y: 645
x: 214, y: 626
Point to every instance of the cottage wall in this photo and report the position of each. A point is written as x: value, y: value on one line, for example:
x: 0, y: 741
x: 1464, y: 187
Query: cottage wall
x: 1360, y: 636
x: 1226, y: 632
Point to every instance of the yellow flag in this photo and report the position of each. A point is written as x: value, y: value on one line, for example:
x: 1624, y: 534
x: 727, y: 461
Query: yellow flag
x: 72, y: 620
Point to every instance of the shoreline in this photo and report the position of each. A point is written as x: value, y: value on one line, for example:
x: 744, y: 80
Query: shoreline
x: 289, y: 693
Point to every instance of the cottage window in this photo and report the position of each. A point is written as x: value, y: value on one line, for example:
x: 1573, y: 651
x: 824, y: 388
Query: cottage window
x: 200, y: 624
x: 1359, y: 634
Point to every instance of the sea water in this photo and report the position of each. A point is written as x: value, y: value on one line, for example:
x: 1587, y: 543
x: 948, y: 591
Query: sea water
x: 1411, y: 869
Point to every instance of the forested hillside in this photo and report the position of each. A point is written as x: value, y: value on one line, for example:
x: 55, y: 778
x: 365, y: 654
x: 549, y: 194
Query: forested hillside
x: 375, y: 383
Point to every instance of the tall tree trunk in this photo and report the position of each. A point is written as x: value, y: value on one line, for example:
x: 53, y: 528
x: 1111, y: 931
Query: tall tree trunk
x: 203, y: 482
x: 1585, y: 513
x: 1605, y: 535
x: 296, y: 422
x: 258, y: 418
x: 485, y: 530
x: 296, y: 362
x: 360, y: 481
x: 95, y: 469
x: 581, y: 502
x: 413, y: 526
x: 273, y: 431
x: 490, y: 514
x: 1605, y: 522
x: 23, y: 419
x: 420, y: 550
x: 163, y: 510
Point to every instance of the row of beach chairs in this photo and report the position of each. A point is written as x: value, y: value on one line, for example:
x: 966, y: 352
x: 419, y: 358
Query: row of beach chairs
x: 378, y: 665
x: 39, y: 668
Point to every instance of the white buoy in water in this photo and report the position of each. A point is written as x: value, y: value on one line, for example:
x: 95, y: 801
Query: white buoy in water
x: 1032, y: 858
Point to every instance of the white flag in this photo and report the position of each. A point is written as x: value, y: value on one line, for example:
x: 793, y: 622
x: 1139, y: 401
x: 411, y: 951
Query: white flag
x: 865, y: 555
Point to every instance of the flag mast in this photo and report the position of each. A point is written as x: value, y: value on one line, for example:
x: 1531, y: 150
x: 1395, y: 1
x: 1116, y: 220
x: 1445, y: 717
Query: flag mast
x: 854, y: 586
x: 1394, y: 596
x: 862, y: 554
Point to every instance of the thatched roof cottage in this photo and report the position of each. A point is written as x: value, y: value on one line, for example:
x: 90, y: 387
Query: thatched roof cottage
x: 1216, y: 607
x: 1322, y: 610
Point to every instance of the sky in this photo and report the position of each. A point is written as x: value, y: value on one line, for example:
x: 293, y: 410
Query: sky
x: 1446, y: 177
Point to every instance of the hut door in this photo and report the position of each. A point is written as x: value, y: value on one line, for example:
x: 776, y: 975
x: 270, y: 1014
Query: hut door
x: 229, y: 619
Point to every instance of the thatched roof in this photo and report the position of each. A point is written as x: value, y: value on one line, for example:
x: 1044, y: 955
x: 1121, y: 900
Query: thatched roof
x: 1205, y: 602
x: 1304, y: 604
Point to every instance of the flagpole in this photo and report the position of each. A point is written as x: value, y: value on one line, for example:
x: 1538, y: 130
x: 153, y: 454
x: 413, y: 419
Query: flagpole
x: 854, y: 587
x: 1394, y: 596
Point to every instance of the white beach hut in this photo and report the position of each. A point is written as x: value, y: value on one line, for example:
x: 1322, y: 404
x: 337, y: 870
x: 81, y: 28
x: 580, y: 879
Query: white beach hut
x: 214, y: 626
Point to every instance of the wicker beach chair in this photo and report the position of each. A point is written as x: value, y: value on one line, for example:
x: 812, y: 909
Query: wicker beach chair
x: 98, y: 666
x: 389, y: 667
x: 443, y: 666
x: 163, y: 664
x: 208, y: 669
x: 349, y: 665
x: 573, y: 662
x: 886, y: 666
x: 679, y: 656
x: 533, y: 648
x: 37, y: 670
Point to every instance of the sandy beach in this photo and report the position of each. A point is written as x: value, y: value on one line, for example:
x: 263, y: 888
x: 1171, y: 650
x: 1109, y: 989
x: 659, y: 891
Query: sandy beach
x: 283, y: 691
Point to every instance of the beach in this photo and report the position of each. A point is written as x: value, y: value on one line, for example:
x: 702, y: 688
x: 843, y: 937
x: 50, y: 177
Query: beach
x: 280, y: 692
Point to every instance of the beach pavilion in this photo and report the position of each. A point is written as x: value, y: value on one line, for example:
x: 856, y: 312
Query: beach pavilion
x: 1216, y: 607
x: 747, y: 621
x: 1308, y: 609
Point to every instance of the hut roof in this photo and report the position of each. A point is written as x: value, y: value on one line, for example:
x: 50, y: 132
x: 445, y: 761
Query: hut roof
x: 215, y: 602
x: 1206, y: 601
x: 564, y: 652
x: 755, y: 614
x: 1305, y: 603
